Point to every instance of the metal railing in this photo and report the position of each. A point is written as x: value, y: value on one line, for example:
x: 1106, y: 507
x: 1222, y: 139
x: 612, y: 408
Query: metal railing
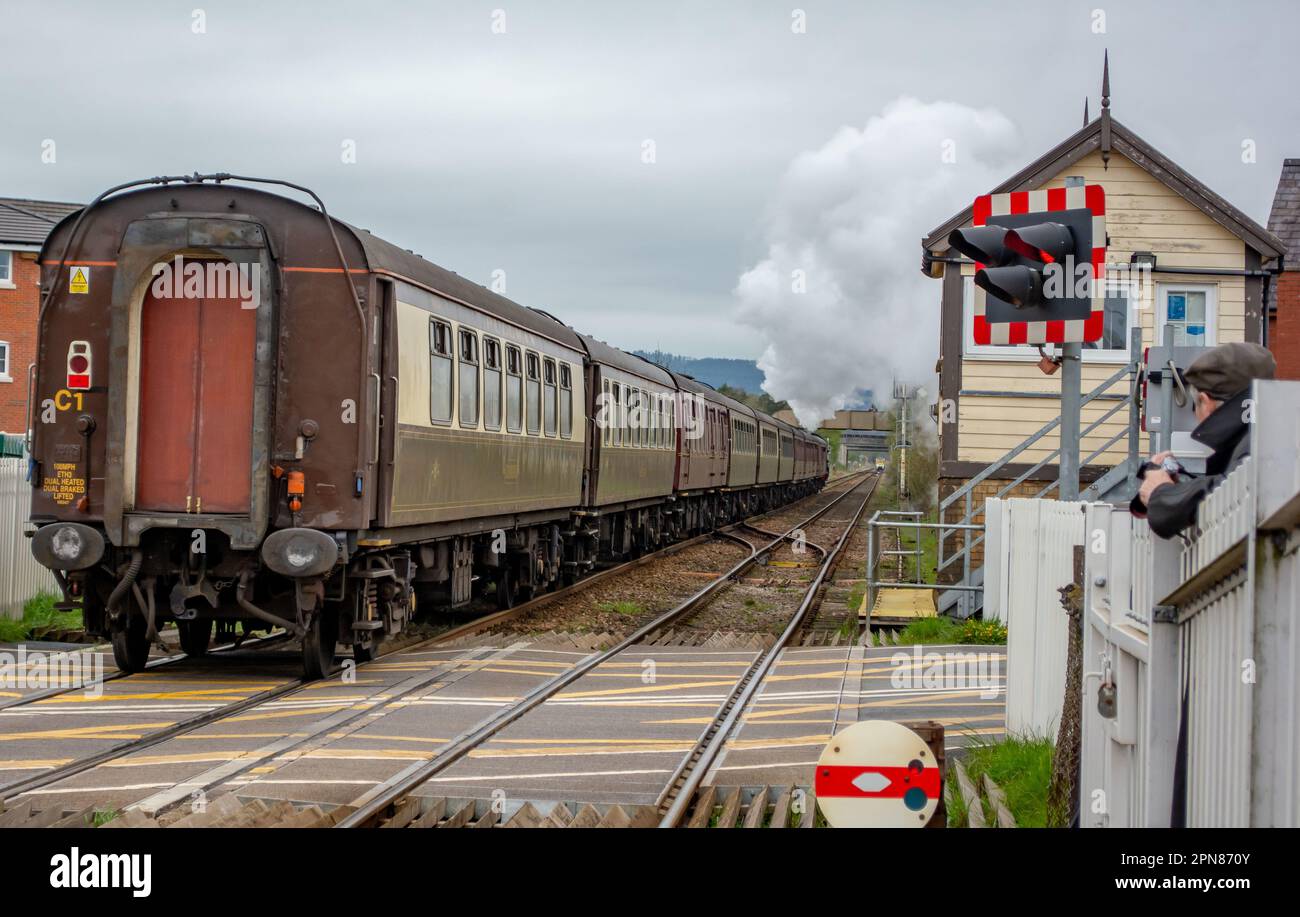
x: 877, y: 524
x: 1191, y: 644
x: 965, y: 494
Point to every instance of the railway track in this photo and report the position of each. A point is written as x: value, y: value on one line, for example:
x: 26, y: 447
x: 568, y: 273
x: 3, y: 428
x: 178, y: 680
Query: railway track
x: 152, y: 666
x: 284, y: 693
x: 391, y: 802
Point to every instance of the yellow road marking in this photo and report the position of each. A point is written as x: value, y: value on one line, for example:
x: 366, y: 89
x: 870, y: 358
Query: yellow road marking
x: 195, y: 694
x: 277, y: 714
x: 16, y: 764
x: 87, y: 732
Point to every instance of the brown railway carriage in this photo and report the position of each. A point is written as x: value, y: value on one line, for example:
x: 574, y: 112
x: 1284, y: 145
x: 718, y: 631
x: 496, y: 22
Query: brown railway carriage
x: 769, y: 449
x: 785, y: 462
x: 346, y: 427
x: 633, y: 449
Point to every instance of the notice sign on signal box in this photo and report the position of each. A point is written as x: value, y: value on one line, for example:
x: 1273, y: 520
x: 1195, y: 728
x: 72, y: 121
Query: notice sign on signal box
x: 877, y: 774
x: 1040, y: 260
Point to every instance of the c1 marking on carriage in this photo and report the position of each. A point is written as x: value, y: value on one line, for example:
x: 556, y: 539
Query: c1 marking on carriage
x: 877, y: 774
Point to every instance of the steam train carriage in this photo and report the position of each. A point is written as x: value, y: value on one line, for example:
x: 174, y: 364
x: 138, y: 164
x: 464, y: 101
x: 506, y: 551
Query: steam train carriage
x: 247, y: 411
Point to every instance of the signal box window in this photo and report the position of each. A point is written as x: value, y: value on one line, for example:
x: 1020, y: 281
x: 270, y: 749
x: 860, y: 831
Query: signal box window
x: 566, y: 401
x: 549, y: 395
x: 468, y: 379
x: 534, y: 393
x: 440, y: 389
x: 514, y: 390
x: 491, y: 384
x: 1190, y: 311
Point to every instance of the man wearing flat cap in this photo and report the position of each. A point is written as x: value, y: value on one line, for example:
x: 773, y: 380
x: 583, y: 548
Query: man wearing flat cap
x: 1219, y: 380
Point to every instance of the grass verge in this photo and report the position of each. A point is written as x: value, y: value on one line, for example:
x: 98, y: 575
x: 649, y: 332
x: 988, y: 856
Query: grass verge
x: 1022, y: 767
x: 945, y: 630
x: 39, y: 617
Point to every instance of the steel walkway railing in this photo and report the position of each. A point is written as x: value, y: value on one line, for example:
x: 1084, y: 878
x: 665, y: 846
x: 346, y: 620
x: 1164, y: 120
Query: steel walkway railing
x: 964, y: 495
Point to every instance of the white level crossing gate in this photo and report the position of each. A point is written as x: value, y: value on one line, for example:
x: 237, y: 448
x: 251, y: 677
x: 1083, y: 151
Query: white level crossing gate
x: 1199, y: 638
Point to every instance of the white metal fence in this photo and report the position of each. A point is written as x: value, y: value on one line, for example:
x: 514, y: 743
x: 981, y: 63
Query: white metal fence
x: 21, y: 577
x: 1030, y: 556
x: 1199, y: 637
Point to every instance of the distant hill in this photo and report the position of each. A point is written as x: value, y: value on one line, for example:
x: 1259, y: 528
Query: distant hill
x: 714, y: 371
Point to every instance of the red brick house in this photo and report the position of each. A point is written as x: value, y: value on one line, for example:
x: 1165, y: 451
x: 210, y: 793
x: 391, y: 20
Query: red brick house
x: 24, y: 225
x: 1284, y: 298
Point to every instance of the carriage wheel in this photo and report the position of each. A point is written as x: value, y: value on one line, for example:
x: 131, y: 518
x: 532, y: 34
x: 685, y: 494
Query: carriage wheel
x: 131, y: 644
x: 505, y: 587
x: 196, y: 635
x: 319, y: 643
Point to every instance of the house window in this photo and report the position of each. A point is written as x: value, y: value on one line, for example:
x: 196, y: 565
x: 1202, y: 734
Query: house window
x: 4, y: 362
x: 549, y: 395
x: 1190, y: 310
x: 6, y: 269
x: 514, y: 390
x: 491, y: 384
x: 439, y: 371
x: 566, y: 401
x: 534, y: 374
x: 1121, y: 317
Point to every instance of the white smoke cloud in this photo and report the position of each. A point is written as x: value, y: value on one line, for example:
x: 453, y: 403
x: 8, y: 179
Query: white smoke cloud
x: 846, y: 221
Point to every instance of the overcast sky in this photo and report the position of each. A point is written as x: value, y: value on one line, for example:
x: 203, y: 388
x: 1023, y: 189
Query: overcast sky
x: 524, y: 150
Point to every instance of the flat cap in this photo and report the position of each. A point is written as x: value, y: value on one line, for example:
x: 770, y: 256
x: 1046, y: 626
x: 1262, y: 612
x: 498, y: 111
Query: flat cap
x: 1227, y: 370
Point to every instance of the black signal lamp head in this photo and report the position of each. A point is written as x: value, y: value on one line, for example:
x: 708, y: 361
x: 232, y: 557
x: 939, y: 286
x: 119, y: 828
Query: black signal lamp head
x: 1042, y: 242
x: 1017, y: 284
x: 982, y: 244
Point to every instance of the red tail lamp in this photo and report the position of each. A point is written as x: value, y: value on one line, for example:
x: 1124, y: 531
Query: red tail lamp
x: 79, y: 365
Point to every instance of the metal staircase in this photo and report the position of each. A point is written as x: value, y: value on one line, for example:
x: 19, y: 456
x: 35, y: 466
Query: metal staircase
x: 1117, y: 485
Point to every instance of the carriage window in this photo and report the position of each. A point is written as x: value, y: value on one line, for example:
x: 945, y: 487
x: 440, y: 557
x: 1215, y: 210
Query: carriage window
x: 654, y: 421
x: 672, y: 421
x: 533, y: 369
x: 549, y: 394
x: 616, y: 420
x: 491, y: 384
x: 514, y: 390
x: 606, y: 414
x: 566, y: 401
x: 468, y: 378
x: 439, y: 371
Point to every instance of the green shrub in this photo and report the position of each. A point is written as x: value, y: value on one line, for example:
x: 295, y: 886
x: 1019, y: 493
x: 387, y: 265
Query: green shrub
x: 977, y: 631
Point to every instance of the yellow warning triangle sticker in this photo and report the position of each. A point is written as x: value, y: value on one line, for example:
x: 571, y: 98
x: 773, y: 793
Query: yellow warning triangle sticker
x: 79, y: 282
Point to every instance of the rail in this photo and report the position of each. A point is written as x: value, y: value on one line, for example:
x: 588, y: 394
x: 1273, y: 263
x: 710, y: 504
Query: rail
x: 371, y: 808
x: 685, y: 781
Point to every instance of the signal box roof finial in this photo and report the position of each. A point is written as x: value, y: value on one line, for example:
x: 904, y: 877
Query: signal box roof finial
x: 1105, y: 110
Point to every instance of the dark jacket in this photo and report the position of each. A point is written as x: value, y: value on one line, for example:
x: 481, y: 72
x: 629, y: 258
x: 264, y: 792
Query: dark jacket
x: 1172, y: 507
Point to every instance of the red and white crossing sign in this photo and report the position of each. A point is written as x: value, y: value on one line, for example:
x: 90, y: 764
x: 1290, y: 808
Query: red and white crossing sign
x: 1082, y: 210
x: 877, y: 774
